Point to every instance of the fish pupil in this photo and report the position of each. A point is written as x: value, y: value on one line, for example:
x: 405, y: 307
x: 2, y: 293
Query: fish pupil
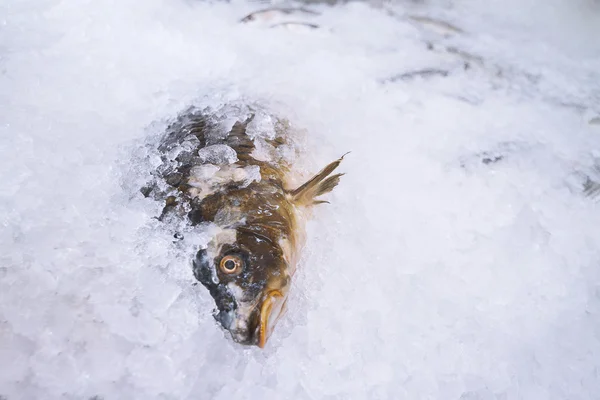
x: 229, y: 265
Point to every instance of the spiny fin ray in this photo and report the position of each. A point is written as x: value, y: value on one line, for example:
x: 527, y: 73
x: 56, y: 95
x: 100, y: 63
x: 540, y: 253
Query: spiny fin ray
x: 318, y: 185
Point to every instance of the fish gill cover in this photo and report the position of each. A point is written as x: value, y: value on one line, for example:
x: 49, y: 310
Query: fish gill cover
x: 460, y: 260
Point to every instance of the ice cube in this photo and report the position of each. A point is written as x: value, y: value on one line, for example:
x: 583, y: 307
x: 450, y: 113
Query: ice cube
x: 203, y: 172
x: 156, y: 292
x: 261, y: 126
x: 219, y: 154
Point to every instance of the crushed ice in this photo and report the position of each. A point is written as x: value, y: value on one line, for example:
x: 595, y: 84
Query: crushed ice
x: 219, y: 154
x: 458, y: 259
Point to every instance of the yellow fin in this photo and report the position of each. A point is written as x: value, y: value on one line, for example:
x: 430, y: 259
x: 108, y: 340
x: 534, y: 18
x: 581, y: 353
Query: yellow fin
x: 318, y: 185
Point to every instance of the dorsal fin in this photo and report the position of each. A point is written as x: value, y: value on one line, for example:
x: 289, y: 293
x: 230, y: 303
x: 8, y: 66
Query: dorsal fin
x: 318, y: 185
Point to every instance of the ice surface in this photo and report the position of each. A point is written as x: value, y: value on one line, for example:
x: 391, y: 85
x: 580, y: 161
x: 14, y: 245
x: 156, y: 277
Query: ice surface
x: 433, y: 274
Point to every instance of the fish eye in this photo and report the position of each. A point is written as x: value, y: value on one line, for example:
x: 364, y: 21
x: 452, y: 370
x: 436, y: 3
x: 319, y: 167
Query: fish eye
x: 231, y: 265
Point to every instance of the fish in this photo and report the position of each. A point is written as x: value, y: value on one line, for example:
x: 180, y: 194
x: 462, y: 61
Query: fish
x: 230, y: 170
x: 438, y: 25
x: 422, y: 73
x: 276, y: 12
x: 296, y: 26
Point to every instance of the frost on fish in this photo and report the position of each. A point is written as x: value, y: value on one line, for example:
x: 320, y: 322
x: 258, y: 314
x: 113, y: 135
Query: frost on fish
x: 203, y: 150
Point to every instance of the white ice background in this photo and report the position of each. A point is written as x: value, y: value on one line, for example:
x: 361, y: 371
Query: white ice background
x: 431, y: 275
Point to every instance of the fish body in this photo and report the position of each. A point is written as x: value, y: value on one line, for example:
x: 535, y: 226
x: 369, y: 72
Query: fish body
x: 278, y: 17
x: 229, y: 170
x: 436, y: 25
x: 272, y: 13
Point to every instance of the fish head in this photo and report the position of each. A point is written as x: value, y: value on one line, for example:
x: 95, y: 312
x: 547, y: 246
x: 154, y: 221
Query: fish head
x: 248, y: 279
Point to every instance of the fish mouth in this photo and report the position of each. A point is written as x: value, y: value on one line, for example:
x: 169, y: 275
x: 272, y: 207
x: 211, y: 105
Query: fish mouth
x: 270, y: 311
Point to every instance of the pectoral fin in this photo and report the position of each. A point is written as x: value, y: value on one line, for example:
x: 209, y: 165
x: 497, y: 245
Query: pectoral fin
x: 318, y: 185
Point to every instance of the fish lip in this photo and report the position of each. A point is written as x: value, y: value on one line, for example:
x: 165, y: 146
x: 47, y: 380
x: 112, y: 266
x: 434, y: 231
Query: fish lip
x: 227, y: 321
x: 265, y: 313
x: 224, y: 318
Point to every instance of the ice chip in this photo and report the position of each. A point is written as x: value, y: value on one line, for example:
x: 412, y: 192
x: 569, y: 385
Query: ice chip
x: 261, y: 126
x: 243, y: 176
x: 157, y: 293
x: 190, y: 142
x: 226, y: 125
x: 263, y: 151
x: 204, y: 172
x: 219, y: 154
x: 251, y: 174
